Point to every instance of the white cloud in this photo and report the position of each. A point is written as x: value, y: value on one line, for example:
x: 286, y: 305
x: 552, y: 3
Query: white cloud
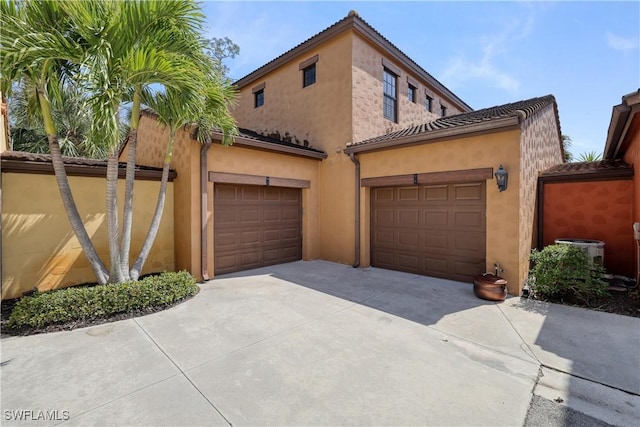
x: 485, y: 61
x: 617, y: 42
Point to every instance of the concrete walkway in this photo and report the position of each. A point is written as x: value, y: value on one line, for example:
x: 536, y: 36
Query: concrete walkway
x: 318, y: 343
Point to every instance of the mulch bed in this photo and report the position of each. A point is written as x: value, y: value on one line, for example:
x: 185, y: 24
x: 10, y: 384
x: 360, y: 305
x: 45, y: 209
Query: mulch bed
x: 624, y: 302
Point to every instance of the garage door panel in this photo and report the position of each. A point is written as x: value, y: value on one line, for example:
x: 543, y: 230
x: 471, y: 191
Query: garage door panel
x: 384, y: 217
x: 249, y: 193
x: 383, y: 194
x: 409, y: 239
x: 436, y: 241
x: 449, y: 238
x: 255, y: 226
x: 249, y: 216
x: 436, y: 193
x: 468, y: 192
x: 409, y: 194
x: 436, y: 218
x: 409, y: 217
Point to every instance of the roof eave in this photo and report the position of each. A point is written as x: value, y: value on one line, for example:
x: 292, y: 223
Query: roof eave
x: 505, y: 123
x: 620, y: 120
x: 269, y: 146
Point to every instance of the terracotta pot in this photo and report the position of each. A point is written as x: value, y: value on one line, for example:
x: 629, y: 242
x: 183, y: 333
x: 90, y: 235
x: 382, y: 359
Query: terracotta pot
x: 490, y: 287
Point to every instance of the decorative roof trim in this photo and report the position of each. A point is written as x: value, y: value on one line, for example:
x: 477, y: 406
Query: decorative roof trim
x: 353, y: 22
x: 504, y: 123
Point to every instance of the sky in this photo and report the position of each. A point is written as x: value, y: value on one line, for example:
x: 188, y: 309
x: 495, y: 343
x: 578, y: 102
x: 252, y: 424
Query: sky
x: 586, y: 54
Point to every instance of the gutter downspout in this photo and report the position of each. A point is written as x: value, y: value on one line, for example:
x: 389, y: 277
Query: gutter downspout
x: 356, y: 162
x: 203, y: 210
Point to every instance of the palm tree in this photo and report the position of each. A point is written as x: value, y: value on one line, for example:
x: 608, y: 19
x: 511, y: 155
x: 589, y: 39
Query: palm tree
x: 114, y: 50
x: 174, y: 109
x: 566, y: 144
x: 71, y: 120
x: 591, y: 156
x: 35, y: 44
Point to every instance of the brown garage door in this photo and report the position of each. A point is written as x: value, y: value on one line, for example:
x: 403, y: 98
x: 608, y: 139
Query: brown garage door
x: 435, y: 230
x: 255, y: 226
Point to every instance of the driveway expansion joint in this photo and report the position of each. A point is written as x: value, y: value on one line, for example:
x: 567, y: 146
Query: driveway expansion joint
x: 183, y: 373
x: 551, y: 368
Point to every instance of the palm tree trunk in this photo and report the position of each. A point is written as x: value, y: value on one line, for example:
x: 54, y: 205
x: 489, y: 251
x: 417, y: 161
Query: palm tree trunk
x: 98, y: 267
x: 115, y: 273
x: 157, y: 215
x: 127, y: 210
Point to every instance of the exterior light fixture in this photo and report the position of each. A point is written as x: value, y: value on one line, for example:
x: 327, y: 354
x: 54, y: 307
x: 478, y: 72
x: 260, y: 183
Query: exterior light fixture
x: 502, y: 176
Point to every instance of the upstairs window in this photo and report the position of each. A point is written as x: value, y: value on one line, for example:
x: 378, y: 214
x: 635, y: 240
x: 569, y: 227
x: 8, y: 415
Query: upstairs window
x: 259, y: 98
x: 390, y: 99
x: 309, y: 75
x: 258, y: 95
x: 412, y: 93
x: 429, y: 104
x: 443, y: 111
x: 308, y: 68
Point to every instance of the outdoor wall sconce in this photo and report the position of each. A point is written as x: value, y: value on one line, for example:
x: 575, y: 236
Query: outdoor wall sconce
x: 502, y: 176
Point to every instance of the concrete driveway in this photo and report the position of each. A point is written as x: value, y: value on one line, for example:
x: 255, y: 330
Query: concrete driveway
x: 318, y: 343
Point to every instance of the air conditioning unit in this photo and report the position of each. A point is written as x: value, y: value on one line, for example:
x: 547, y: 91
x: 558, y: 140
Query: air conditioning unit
x: 593, y: 248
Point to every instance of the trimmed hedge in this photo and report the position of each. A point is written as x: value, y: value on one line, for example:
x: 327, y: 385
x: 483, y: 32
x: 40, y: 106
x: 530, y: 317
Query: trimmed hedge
x: 84, y: 303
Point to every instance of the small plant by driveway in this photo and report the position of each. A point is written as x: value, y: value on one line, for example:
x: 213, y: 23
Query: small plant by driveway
x: 565, y: 271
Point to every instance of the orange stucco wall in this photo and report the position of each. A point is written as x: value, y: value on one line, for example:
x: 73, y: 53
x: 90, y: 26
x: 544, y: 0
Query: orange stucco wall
x: 484, y: 151
x: 632, y: 156
x: 598, y: 210
x: 39, y: 249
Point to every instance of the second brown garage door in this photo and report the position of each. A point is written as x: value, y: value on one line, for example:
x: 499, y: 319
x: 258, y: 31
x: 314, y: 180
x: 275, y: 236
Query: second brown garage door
x: 255, y: 226
x: 434, y: 230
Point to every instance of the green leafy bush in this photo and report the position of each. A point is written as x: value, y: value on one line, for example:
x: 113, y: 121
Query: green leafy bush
x: 82, y: 303
x: 560, y: 270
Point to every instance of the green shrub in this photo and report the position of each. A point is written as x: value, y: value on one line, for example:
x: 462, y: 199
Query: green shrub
x: 82, y: 303
x: 565, y: 270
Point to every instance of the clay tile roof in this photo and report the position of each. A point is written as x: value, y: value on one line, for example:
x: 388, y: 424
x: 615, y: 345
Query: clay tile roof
x: 601, y: 167
x: 520, y: 110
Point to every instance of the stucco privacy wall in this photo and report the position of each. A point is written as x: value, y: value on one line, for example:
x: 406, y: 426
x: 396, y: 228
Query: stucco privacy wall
x: 368, y: 119
x: 540, y: 148
x: 598, y: 210
x: 482, y: 151
x: 39, y: 248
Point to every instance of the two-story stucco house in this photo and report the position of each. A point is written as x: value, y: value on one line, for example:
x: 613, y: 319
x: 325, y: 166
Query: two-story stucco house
x: 351, y: 152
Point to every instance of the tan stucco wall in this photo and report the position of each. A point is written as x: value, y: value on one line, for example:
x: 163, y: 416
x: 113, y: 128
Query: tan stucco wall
x: 152, y: 143
x: 319, y: 113
x: 484, y: 151
x: 39, y: 248
x: 539, y: 150
x: 4, y: 127
x: 368, y: 118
